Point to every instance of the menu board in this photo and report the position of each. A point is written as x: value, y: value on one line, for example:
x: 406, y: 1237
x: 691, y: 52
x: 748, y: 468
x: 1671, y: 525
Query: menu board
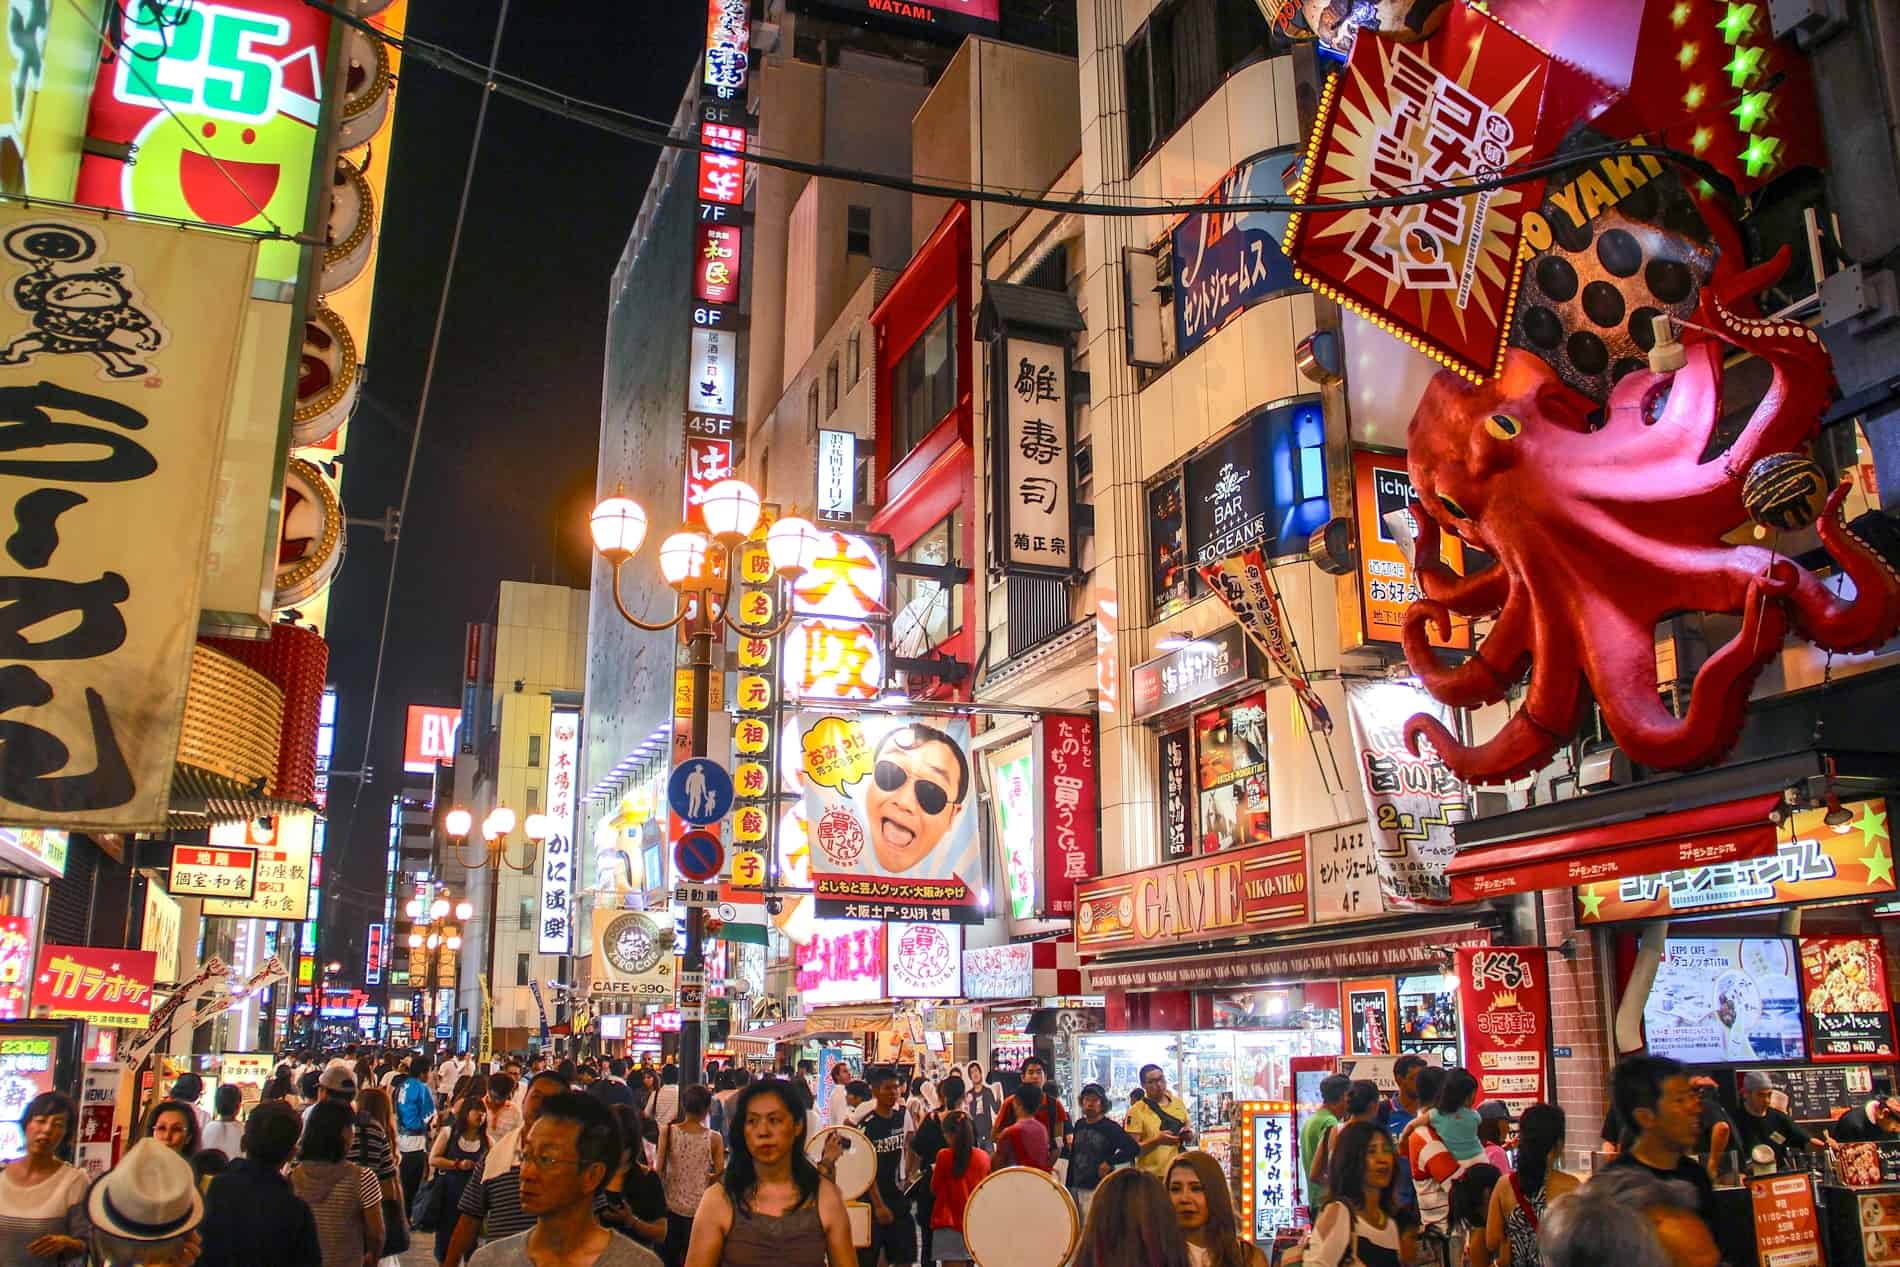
x: 1726, y: 999
x: 1875, y: 1224
x: 1820, y: 1093
x: 1787, y: 1232
x: 1844, y: 981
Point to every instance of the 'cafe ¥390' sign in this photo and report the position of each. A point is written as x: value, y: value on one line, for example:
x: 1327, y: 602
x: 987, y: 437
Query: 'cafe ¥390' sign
x: 1259, y: 889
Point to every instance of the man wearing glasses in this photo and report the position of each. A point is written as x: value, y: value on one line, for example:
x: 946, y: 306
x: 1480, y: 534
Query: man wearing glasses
x: 490, y: 1208
x: 570, y: 1151
x: 919, y: 782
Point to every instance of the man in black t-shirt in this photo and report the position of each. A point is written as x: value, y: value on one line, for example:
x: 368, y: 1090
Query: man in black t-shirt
x: 1653, y: 1095
x: 892, y: 1231
x: 1762, y: 1123
x: 1867, y: 1123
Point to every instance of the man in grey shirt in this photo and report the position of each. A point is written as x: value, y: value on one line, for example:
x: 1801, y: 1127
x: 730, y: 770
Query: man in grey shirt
x: 566, y: 1157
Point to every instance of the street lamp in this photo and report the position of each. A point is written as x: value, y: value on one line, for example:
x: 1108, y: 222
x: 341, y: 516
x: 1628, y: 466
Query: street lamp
x: 699, y: 570
x: 500, y: 821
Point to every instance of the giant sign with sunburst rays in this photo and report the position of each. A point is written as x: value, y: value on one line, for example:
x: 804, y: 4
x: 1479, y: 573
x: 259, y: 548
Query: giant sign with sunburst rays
x: 1401, y: 118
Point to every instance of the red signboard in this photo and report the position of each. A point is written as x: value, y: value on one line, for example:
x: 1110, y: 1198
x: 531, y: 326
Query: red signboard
x: 1787, y: 1231
x: 1070, y: 841
x: 1844, y: 993
x: 721, y: 170
x: 1450, y: 110
x: 1508, y: 869
x: 1234, y: 893
x: 1504, y: 1002
x: 707, y: 462
x: 716, y: 264
x: 102, y: 984
x: 429, y: 738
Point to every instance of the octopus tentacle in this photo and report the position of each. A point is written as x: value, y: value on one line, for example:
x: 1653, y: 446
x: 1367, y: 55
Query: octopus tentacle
x: 1873, y: 615
x: 1647, y: 731
x: 1789, y: 412
x: 1487, y: 675
x: 1540, y: 726
x: 1479, y: 594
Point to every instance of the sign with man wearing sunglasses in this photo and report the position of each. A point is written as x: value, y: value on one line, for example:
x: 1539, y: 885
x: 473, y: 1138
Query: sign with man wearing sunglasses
x: 886, y: 798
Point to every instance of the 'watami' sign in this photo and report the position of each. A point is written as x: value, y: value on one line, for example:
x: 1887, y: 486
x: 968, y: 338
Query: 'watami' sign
x: 1258, y: 889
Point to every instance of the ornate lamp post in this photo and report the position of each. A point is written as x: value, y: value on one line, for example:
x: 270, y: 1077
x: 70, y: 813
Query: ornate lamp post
x: 431, y: 929
x: 699, y: 568
x: 495, y: 830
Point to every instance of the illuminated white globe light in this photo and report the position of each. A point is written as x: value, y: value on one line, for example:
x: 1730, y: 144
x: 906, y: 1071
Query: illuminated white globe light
x: 619, y: 525
x: 434, y: 941
x: 500, y: 821
x: 455, y: 943
x: 413, y: 908
x: 415, y: 941
x: 438, y: 908
x: 792, y: 543
x: 683, y: 557
x: 464, y: 911
x: 537, y: 827
x: 731, y: 509
x: 457, y: 822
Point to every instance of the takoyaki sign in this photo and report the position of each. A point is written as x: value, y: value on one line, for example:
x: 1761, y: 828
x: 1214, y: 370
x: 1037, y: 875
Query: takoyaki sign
x: 118, y: 342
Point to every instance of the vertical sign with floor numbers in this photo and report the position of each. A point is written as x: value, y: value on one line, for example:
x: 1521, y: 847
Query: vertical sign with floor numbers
x: 557, y: 853
x: 718, y: 247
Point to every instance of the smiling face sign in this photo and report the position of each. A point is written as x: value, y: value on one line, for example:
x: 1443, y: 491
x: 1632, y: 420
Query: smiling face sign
x: 218, y: 105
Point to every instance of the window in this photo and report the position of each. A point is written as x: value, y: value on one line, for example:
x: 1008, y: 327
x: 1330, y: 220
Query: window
x: 853, y: 360
x: 857, y: 230
x: 534, y: 752
x: 831, y: 387
x: 929, y: 612
x: 924, y: 386
x: 534, y: 801
x: 521, y: 969
x: 1177, y: 60
x: 527, y: 914
x: 811, y: 409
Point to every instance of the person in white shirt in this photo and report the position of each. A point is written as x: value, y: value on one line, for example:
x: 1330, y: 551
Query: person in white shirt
x: 224, y: 1132
x: 837, y: 1105
x: 451, y: 1071
x: 667, y: 1102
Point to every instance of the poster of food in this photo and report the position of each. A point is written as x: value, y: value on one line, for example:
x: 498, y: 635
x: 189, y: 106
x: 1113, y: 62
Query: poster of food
x: 1879, y: 1211
x: 1726, y: 999
x: 888, y: 799
x: 1230, y: 749
x: 1844, y: 982
x: 1369, y: 1017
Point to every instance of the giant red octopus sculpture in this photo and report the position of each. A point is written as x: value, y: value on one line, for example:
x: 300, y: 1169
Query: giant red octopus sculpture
x: 1601, y: 534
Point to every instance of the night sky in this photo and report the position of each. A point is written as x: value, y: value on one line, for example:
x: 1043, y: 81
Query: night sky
x: 505, y: 477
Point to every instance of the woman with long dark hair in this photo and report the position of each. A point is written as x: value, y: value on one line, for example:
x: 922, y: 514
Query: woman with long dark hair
x: 772, y: 1207
x: 1519, y: 1200
x: 43, y: 1217
x: 956, y: 1170
x: 459, y: 1149
x: 1197, y: 1189
x: 1357, y: 1222
x: 1132, y: 1224
x: 173, y: 1124
x: 635, y: 1199
x: 929, y: 1138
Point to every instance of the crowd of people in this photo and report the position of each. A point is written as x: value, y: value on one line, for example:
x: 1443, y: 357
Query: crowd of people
x: 348, y: 1162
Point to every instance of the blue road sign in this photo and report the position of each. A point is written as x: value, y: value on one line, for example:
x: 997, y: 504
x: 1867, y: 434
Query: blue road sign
x: 699, y: 855
x: 700, y: 791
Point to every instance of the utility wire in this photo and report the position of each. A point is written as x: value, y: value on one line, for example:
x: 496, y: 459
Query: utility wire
x: 422, y: 404
x: 651, y: 132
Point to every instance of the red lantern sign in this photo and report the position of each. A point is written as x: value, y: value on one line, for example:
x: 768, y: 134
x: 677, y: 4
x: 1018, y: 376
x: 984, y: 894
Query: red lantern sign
x: 716, y: 264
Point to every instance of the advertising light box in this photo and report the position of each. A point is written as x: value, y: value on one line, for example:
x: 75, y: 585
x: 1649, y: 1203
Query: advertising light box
x: 1726, y: 1000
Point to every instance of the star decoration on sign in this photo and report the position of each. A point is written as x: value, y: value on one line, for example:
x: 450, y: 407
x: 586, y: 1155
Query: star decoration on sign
x: 1737, y: 22
x: 1871, y: 826
x: 1751, y: 110
x: 1745, y: 67
x: 1879, y: 866
x: 1591, y: 900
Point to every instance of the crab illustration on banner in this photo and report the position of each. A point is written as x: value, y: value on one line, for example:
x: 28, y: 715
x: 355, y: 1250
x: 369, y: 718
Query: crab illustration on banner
x: 1453, y: 109
x: 1243, y: 582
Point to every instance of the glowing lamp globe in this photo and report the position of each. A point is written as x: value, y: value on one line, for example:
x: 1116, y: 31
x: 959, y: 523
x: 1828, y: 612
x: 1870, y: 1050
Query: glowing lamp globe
x: 455, y: 943
x: 500, y: 821
x: 537, y: 827
x: 415, y: 941
x: 457, y: 822
x: 619, y: 526
x: 433, y: 941
x: 731, y: 508
x: 682, y: 558
x: 438, y: 908
x: 464, y: 911
x: 792, y: 544
x: 413, y: 908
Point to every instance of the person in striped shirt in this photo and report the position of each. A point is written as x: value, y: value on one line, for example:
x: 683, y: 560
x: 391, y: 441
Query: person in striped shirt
x: 490, y: 1207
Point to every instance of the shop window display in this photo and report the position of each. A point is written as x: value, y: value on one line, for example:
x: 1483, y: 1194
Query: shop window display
x: 1428, y: 1017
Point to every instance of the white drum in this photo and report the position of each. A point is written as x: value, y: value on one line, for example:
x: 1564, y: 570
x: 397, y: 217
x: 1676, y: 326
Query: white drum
x: 853, y: 1169
x: 1021, y: 1217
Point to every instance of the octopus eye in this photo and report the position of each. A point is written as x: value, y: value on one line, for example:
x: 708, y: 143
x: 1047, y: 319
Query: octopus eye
x: 1457, y: 511
x: 1504, y: 427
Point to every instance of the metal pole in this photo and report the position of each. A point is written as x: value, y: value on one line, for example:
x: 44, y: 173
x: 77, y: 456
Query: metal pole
x: 693, y: 1032
x: 494, y: 899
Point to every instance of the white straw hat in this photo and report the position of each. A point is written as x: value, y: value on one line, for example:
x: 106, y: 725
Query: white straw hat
x: 151, y: 1195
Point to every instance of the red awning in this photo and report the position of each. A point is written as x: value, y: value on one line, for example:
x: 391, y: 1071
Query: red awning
x: 1734, y: 831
